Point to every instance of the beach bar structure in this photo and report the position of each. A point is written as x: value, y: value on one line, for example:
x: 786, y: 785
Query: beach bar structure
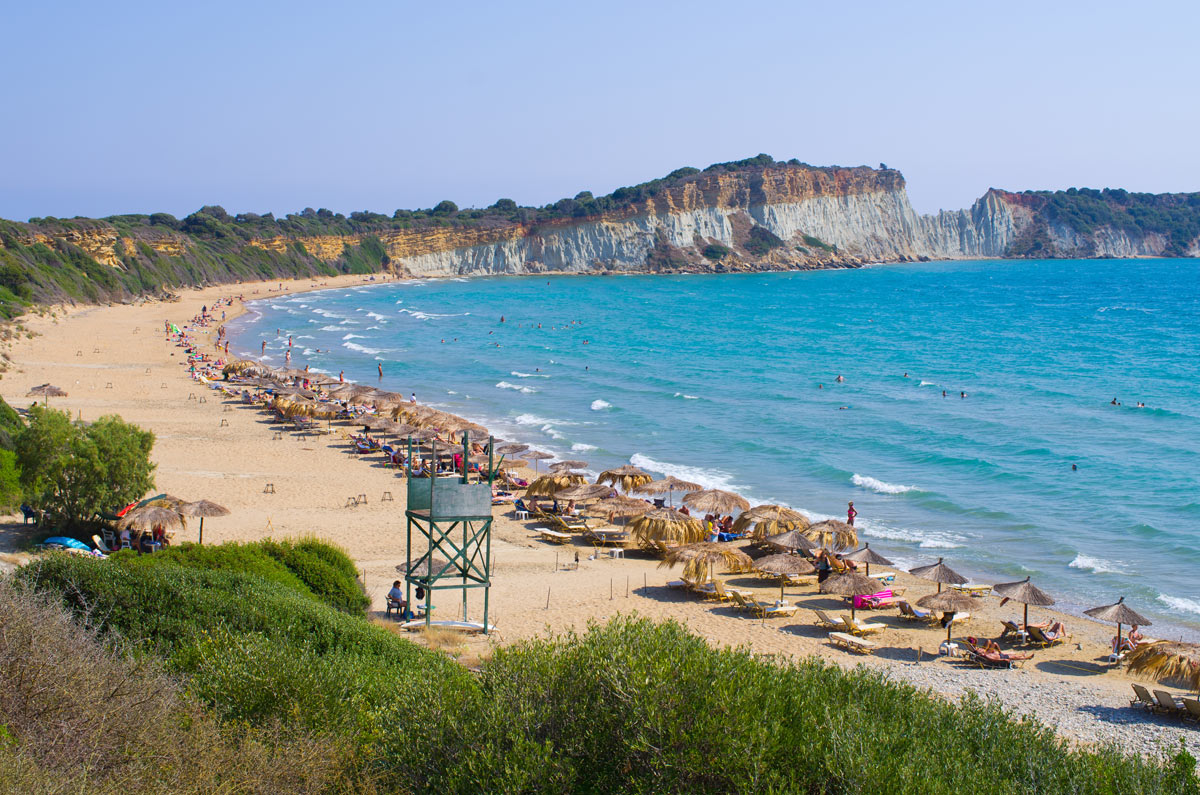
x: 451, y: 520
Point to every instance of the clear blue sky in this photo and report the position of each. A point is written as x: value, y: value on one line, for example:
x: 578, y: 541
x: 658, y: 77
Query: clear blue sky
x: 271, y: 106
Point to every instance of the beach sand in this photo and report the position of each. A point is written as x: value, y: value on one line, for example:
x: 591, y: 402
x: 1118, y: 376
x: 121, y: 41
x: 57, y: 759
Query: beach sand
x: 116, y: 360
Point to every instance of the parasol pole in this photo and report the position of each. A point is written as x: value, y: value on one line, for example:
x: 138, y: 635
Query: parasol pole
x: 202, y: 533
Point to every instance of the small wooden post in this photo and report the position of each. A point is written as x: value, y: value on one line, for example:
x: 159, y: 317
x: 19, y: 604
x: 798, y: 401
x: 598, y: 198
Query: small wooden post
x: 547, y: 598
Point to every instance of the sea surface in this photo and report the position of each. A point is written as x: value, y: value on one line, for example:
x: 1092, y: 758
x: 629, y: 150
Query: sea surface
x: 731, y: 381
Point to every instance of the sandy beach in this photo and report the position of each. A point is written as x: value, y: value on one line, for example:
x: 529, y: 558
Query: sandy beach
x: 116, y: 360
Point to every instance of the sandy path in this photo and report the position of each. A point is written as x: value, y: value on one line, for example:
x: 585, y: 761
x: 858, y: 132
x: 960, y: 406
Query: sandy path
x: 116, y: 360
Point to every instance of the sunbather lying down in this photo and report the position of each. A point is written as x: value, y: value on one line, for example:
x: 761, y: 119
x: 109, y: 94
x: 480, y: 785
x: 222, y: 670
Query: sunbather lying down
x: 989, y: 648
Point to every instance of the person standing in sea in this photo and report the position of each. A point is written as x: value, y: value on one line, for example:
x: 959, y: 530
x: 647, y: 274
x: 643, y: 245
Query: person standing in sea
x: 850, y: 514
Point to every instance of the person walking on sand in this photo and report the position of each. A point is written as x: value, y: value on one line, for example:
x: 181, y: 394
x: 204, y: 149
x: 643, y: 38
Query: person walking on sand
x: 850, y: 514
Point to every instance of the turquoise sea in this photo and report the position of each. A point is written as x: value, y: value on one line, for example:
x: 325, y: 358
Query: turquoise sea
x: 730, y: 380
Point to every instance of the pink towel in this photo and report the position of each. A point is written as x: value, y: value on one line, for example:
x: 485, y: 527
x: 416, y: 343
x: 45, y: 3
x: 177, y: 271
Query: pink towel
x: 860, y: 600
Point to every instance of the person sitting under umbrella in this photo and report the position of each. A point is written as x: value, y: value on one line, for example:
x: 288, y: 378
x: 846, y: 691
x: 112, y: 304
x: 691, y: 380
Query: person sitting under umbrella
x: 1132, y: 639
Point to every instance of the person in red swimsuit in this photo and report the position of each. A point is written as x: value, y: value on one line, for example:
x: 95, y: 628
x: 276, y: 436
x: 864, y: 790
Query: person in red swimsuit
x: 850, y: 514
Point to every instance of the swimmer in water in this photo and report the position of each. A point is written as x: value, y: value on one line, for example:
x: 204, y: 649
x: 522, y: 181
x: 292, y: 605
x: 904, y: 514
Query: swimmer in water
x: 502, y: 318
x: 1074, y: 468
x: 839, y: 379
x: 1114, y: 402
x: 943, y: 393
x: 962, y: 394
x: 906, y: 375
x: 381, y: 371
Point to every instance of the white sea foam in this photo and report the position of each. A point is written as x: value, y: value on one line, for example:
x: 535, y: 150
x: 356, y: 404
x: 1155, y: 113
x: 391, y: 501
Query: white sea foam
x: 708, y: 478
x: 580, y: 447
x: 305, y: 337
x: 925, y: 539
x: 879, y: 486
x: 525, y: 390
x: 348, y: 322
x: 1095, y: 565
x: 374, y: 328
x: 519, y: 374
x: 353, y: 337
x: 377, y: 316
x: 430, y: 315
x: 686, y: 397
x: 926, y: 383
x: 331, y: 328
x: 307, y: 352
x: 1180, y: 603
x: 600, y: 405
x: 354, y: 346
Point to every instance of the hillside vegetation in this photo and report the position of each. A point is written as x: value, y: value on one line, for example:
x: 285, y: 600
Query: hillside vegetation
x: 256, y: 683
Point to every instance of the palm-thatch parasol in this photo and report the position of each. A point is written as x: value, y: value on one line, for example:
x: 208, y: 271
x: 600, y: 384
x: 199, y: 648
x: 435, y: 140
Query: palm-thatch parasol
x: 850, y: 583
x: 203, y: 509
x: 940, y: 573
x: 550, y: 485
x: 665, y: 524
x: 425, y: 569
x: 623, y: 506
x: 1023, y: 591
x: 422, y: 435
x: 1118, y: 613
x: 511, y: 448
x: 46, y: 391
x: 791, y: 540
x: 947, y: 602
x: 699, y: 558
x: 715, y: 501
x: 584, y: 492
x: 668, y: 485
x: 769, y: 519
x: 1167, y: 659
x: 563, y: 466
x: 148, y: 517
x: 833, y: 534
x: 627, y: 478
x: 868, y: 556
x: 512, y: 463
x: 783, y: 565
x: 535, y: 456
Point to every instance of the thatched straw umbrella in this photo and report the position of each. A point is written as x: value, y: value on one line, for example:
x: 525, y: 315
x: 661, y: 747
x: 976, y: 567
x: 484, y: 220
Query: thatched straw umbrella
x: 940, y: 573
x: 583, y: 492
x: 563, y: 466
x: 791, y: 540
x: 833, y: 534
x: 768, y: 519
x: 622, y: 506
x: 425, y: 570
x: 947, y: 602
x: 550, y: 485
x: 715, y: 501
x: 668, y: 485
x: 868, y: 556
x: 1025, y: 592
x: 666, y: 525
x: 699, y: 558
x: 147, y: 517
x: 782, y: 566
x: 511, y: 448
x: 46, y: 391
x: 204, y: 509
x: 535, y: 456
x: 1118, y: 613
x: 850, y: 583
x: 1166, y: 659
x: 626, y: 478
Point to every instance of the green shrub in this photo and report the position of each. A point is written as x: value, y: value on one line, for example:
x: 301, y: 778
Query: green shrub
x: 335, y: 583
x: 715, y: 252
x: 248, y: 558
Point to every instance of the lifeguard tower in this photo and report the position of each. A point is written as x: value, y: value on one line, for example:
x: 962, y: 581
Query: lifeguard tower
x: 449, y: 539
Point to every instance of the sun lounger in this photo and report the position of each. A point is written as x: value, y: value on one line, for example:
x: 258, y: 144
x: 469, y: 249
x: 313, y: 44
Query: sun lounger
x: 1192, y: 707
x: 606, y: 535
x: 1167, y: 703
x: 1012, y: 630
x: 851, y: 643
x: 763, y: 609
x: 910, y: 613
x: 554, y: 536
x: 973, y: 590
x: 1142, y: 698
x: 1037, y: 637
x: 856, y: 627
x: 837, y: 622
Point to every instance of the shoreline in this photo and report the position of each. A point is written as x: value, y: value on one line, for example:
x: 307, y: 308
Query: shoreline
x: 1172, y: 626
x: 226, y: 453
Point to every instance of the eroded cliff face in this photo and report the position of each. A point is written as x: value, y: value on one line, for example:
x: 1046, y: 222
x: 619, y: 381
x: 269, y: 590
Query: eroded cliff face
x: 762, y: 218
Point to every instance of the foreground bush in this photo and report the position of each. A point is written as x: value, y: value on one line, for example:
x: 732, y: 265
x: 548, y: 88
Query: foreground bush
x: 632, y: 706
x: 638, y: 707
x: 77, y: 715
